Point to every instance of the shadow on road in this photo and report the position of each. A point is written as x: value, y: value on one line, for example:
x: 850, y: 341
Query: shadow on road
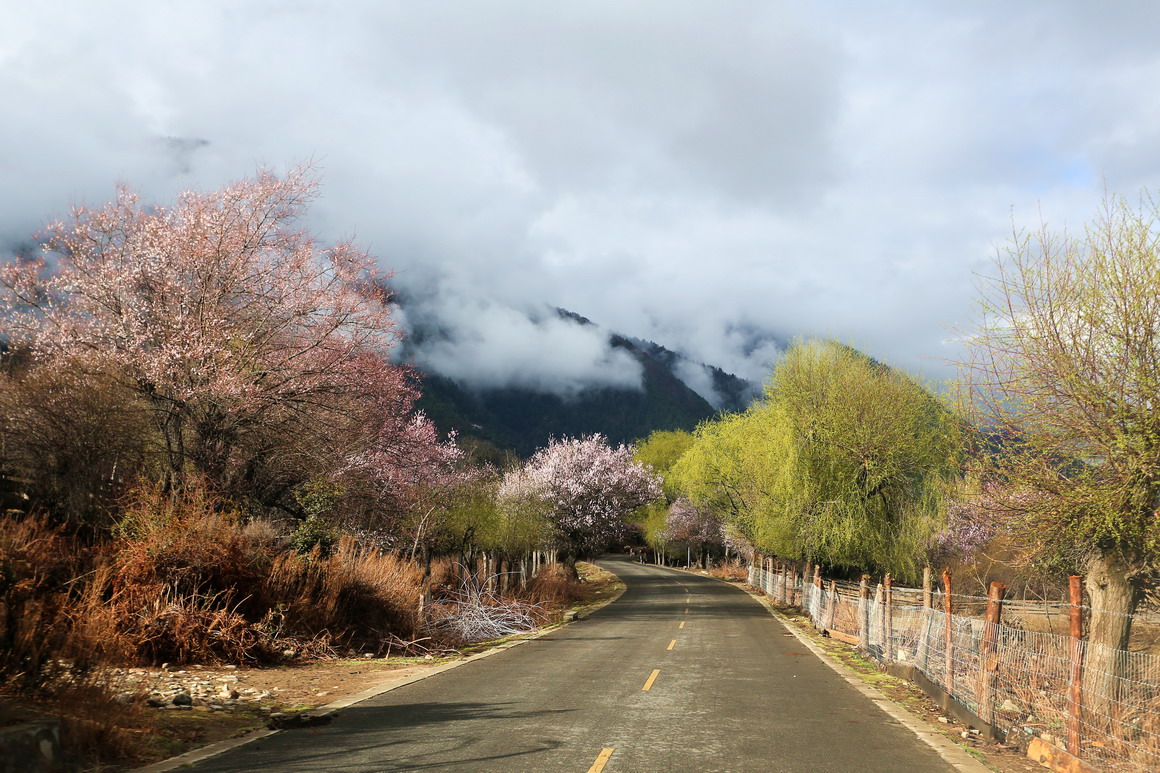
x: 357, y: 738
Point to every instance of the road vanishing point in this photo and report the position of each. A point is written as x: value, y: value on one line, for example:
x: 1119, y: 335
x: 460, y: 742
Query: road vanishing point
x: 682, y: 673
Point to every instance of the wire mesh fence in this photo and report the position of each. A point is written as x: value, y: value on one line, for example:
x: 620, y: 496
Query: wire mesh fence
x: 1028, y: 677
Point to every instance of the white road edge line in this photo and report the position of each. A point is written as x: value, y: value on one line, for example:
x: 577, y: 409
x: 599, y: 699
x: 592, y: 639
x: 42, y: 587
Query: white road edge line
x: 954, y: 754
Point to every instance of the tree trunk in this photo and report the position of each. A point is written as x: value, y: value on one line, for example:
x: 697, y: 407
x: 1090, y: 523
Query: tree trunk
x: 569, y: 560
x: 1113, y: 598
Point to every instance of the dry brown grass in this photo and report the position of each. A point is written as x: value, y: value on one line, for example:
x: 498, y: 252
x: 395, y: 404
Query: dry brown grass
x: 356, y: 595
x: 36, y: 564
x: 553, y: 587
x: 732, y: 571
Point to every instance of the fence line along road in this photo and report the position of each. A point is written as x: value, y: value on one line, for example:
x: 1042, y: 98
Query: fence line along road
x: 1039, y: 687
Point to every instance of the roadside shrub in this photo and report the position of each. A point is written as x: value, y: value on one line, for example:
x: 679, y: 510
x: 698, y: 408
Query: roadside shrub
x: 554, y: 586
x: 185, y: 543
x: 36, y: 562
x: 733, y: 571
x: 357, y: 595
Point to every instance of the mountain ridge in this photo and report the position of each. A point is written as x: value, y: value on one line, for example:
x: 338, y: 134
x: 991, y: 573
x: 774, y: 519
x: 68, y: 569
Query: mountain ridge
x: 520, y: 419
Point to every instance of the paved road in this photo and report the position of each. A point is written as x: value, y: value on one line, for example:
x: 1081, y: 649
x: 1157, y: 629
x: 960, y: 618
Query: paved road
x: 728, y: 689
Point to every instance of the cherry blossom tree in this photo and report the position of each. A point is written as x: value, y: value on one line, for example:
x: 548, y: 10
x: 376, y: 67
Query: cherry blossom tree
x: 585, y: 486
x: 695, y: 527
x: 258, y: 353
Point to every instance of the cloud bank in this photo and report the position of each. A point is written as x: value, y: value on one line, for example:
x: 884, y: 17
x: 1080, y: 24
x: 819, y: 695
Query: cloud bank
x: 718, y: 177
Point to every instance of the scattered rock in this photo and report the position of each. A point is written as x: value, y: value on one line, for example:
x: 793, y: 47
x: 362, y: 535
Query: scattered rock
x: 182, y: 699
x: 944, y: 720
x: 1009, y: 707
x: 125, y: 698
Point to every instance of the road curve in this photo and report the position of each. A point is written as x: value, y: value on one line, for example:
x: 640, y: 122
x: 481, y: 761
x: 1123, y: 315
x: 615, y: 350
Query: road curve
x: 682, y: 673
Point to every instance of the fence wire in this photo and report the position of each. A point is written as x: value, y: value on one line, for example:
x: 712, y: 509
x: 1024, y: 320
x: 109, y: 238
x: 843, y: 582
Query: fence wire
x: 1014, y: 675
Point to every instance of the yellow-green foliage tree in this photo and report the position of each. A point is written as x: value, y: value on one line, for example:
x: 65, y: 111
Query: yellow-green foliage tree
x: 844, y: 462
x: 660, y: 451
x: 875, y: 453
x: 1064, y: 366
x: 743, y: 467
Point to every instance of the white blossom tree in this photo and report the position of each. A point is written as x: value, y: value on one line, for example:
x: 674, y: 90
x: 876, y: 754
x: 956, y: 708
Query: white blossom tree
x: 585, y: 486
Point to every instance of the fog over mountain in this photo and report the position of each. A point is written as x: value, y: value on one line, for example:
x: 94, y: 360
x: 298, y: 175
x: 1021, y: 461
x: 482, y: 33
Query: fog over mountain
x: 717, y: 177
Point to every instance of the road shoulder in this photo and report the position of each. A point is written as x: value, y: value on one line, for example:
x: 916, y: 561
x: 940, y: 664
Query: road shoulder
x: 399, y: 678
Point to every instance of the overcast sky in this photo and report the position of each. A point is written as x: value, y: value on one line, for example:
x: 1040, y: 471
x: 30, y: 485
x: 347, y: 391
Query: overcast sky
x: 720, y: 177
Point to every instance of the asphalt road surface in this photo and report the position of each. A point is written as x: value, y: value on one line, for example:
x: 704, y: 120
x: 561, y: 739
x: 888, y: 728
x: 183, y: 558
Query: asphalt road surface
x: 682, y: 673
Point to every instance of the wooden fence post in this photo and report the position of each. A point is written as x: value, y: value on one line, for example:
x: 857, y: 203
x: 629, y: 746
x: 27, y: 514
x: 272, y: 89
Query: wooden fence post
x: 988, y: 660
x: 924, y: 633
x: 1075, y: 688
x: 821, y: 605
x: 949, y: 678
x: 879, y: 612
x: 833, y: 610
x: 888, y: 627
x: 864, y: 613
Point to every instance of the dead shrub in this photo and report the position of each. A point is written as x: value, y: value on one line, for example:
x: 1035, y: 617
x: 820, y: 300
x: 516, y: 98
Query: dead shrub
x: 732, y: 571
x: 357, y: 595
x: 36, y: 563
x: 554, y: 586
x: 186, y: 543
x: 476, y: 613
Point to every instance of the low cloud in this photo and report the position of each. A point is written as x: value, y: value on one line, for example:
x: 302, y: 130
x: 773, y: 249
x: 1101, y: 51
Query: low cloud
x: 485, y: 345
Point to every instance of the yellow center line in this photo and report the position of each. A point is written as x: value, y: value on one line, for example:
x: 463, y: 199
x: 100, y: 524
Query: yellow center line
x: 672, y: 644
x: 682, y: 625
x: 686, y: 610
x: 601, y: 760
x: 652, y: 678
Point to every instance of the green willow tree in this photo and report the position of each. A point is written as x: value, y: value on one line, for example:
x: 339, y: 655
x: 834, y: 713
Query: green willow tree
x: 743, y: 467
x: 844, y: 462
x: 875, y: 451
x: 1064, y: 367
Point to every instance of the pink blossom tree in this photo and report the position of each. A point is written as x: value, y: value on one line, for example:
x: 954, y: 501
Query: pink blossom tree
x: 695, y: 527
x: 256, y: 352
x: 586, y: 487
